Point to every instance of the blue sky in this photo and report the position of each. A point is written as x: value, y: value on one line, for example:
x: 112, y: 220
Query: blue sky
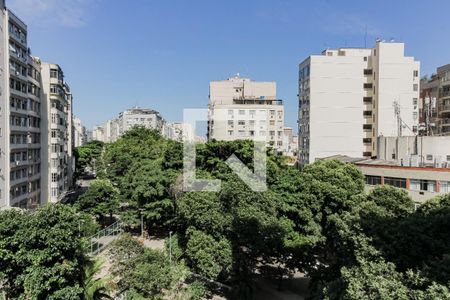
x: 162, y: 54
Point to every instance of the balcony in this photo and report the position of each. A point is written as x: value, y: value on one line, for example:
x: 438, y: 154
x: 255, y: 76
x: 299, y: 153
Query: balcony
x: 445, y: 122
x: 444, y: 109
x: 444, y: 94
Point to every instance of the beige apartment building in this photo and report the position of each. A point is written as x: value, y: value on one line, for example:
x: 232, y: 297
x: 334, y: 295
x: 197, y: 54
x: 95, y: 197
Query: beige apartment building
x: 421, y: 183
x: 434, y: 103
x: 240, y: 108
x: 350, y: 96
x: 57, y: 157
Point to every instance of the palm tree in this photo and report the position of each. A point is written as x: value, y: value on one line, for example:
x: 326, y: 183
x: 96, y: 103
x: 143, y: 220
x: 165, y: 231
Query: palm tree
x: 95, y: 287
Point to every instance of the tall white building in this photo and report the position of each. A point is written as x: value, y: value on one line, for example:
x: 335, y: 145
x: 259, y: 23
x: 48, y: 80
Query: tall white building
x: 240, y: 108
x: 114, y: 128
x: 35, y: 118
x: 350, y: 96
x: 79, y: 133
x: 20, y: 116
x: 57, y: 157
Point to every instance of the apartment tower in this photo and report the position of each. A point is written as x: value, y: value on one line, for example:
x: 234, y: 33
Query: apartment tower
x: 20, y: 116
x: 350, y: 96
x: 240, y: 108
x: 57, y: 157
x: 435, y: 103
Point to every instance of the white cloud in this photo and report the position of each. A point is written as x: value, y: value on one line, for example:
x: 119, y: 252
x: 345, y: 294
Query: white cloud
x: 68, y: 13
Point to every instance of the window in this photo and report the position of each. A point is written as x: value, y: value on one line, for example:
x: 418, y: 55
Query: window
x: 415, y: 115
x: 397, y: 182
x: 53, y: 73
x: 242, y: 112
x: 230, y: 132
x: 367, y: 71
x: 367, y: 126
x: 272, y: 122
x: 415, y: 101
x: 241, y: 122
x: 422, y: 185
x: 365, y: 58
x: 445, y: 186
x: 230, y: 112
x: 415, y: 73
x: 367, y: 113
x: 367, y: 85
x: 415, y: 87
x: 373, y: 180
x: 448, y: 157
x: 367, y: 154
x: 54, y: 177
x: 429, y: 157
x: 230, y: 122
x: 367, y: 99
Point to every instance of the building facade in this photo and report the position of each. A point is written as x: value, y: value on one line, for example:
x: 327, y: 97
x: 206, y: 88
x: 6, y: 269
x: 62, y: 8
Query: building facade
x: 116, y: 127
x: 240, y: 108
x: 421, y: 183
x: 350, y: 96
x: 20, y: 118
x: 435, y: 103
x: 79, y: 133
x: 57, y: 156
x: 35, y: 121
x: 415, y: 151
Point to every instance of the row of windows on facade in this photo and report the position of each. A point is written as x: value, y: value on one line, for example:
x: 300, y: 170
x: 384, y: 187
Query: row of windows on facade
x: 57, y: 89
x: 252, y: 122
x: 366, y: 86
x: 252, y: 133
x: 252, y: 112
x: 17, y: 32
x: 25, y: 121
x: 18, y: 50
x: 57, y: 104
x: 33, y: 138
x: 20, y: 69
x: 25, y: 104
x: 57, y: 162
x: 24, y: 87
x: 57, y: 119
x: 56, y: 133
x: 56, y: 148
x: 414, y: 184
x: 23, y: 156
x: 54, y: 73
x: 25, y: 172
x: 26, y: 188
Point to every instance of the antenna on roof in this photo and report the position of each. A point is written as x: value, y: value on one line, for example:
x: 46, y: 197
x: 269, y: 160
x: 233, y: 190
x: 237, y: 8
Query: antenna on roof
x: 365, y: 38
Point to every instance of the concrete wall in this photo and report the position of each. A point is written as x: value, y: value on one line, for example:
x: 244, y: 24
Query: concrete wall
x: 428, y: 149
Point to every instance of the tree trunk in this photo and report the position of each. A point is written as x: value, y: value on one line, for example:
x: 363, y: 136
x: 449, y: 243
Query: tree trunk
x: 280, y: 278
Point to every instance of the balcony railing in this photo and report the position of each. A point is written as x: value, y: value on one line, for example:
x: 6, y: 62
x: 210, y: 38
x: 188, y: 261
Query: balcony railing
x: 444, y: 122
x: 443, y: 94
